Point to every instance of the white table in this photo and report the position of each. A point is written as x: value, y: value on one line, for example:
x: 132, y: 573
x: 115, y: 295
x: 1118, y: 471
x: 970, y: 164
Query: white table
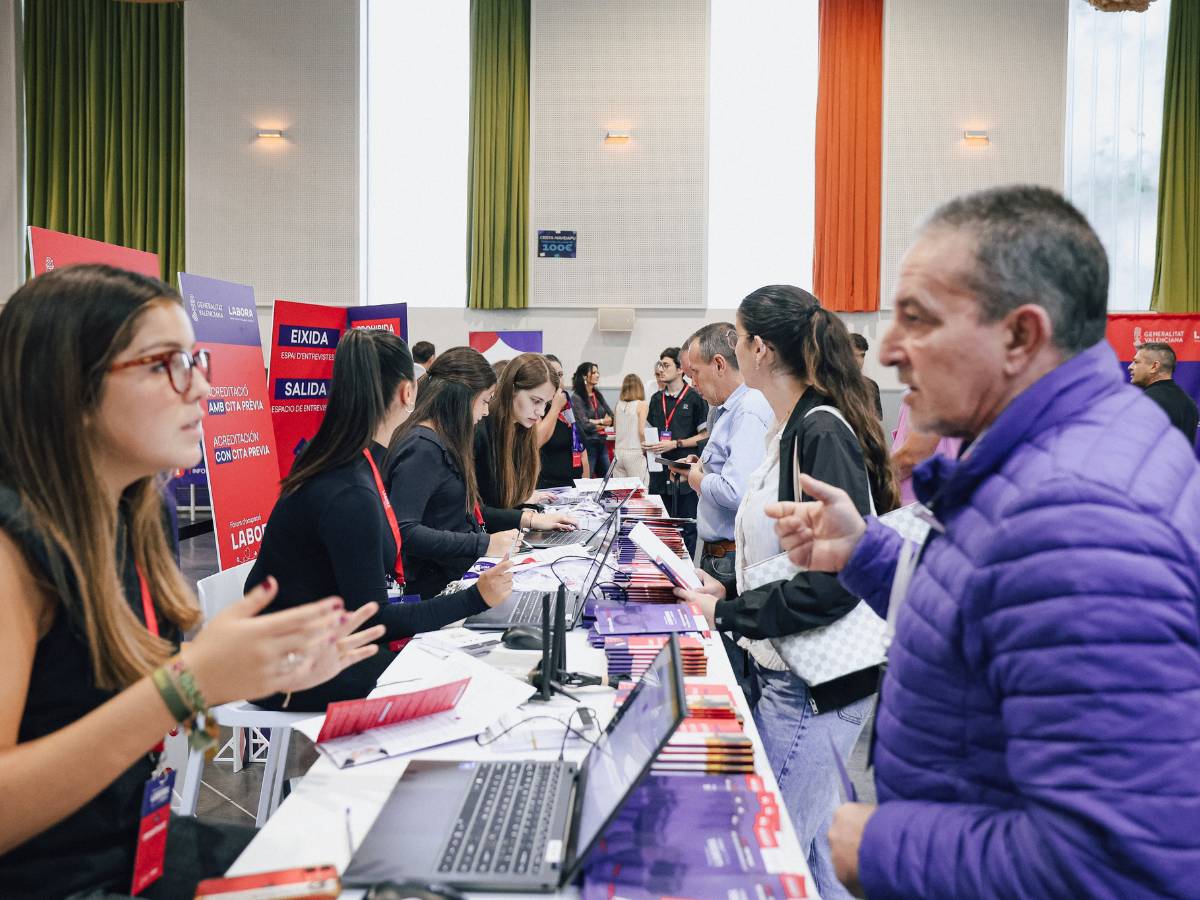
x: 310, y: 827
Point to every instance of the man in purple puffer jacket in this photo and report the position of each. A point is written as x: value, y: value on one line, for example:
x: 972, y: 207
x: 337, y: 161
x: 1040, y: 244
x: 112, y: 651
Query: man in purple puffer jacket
x: 1038, y: 733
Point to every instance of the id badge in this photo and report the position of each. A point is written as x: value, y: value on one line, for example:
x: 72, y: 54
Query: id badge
x: 664, y: 435
x: 152, y: 832
x: 576, y: 459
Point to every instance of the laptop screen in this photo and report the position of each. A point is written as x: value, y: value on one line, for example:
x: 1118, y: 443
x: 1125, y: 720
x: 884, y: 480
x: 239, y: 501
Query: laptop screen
x: 623, y: 753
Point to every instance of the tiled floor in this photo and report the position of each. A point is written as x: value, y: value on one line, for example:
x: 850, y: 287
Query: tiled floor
x: 226, y: 796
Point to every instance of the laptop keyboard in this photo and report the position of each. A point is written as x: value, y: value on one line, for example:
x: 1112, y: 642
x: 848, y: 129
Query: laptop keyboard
x: 560, y: 538
x: 504, y: 823
x: 528, y: 609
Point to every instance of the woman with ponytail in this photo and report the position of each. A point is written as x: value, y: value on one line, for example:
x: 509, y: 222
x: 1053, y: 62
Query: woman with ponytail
x: 102, y: 393
x: 332, y: 527
x: 801, y: 358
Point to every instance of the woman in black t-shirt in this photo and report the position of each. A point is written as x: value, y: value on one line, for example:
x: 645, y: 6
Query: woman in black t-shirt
x: 102, y: 391
x: 330, y: 531
x: 562, y: 454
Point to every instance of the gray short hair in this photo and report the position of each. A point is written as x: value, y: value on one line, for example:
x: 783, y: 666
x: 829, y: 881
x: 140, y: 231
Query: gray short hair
x: 717, y: 338
x: 1032, y: 246
x: 1164, y: 354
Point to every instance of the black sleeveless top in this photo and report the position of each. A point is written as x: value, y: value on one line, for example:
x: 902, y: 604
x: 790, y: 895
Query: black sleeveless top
x: 94, y: 846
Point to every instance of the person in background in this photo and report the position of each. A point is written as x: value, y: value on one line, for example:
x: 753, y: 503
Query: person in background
x: 630, y: 425
x: 911, y: 447
x: 799, y: 355
x: 738, y: 421
x: 498, y: 367
x: 330, y: 531
x: 506, y: 452
x: 1037, y: 732
x: 423, y: 354
x: 562, y: 453
x: 92, y: 606
x: 1153, y: 370
x: 861, y: 346
x: 592, y: 415
x: 680, y: 415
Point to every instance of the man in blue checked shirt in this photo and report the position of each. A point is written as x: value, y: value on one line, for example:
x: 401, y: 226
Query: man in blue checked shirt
x: 738, y: 420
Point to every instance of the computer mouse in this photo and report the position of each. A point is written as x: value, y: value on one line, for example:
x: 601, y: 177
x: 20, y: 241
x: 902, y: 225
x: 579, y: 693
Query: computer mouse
x: 522, y: 637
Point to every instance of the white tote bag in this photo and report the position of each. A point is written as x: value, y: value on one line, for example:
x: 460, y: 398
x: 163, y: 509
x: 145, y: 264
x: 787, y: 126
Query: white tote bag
x: 854, y: 642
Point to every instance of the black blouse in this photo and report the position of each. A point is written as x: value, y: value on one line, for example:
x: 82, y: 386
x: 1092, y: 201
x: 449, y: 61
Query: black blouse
x: 441, y: 538
x: 94, y: 846
x: 557, y: 470
x: 330, y: 537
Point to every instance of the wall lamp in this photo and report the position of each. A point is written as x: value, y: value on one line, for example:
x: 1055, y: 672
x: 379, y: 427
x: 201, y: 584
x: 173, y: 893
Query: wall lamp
x: 269, y: 133
x: 617, y: 137
x: 976, y: 138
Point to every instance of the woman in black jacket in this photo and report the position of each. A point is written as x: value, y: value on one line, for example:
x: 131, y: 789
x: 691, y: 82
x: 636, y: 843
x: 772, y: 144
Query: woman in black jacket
x: 592, y: 415
x: 332, y: 530
x: 800, y: 356
x: 431, y: 478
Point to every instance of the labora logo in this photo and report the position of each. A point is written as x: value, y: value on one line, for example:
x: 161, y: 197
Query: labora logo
x: 301, y: 388
x: 241, y: 312
x: 307, y: 336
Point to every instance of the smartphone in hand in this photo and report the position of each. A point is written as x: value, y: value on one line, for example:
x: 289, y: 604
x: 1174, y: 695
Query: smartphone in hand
x: 682, y: 465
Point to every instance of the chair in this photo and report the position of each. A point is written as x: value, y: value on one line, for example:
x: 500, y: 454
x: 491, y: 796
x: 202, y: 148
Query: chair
x: 217, y: 592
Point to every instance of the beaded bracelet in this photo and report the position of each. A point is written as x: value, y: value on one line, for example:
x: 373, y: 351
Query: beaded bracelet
x: 205, y: 732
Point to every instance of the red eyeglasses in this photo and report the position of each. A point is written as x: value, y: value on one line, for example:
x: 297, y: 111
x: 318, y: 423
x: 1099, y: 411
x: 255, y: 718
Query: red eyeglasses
x: 178, y: 364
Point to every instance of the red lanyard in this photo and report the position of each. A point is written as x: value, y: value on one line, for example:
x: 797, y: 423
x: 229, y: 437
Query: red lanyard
x: 594, y: 401
x: 147, y: 604
x: 390, y: 513
x: 478, y: 514
x: 682, y: 394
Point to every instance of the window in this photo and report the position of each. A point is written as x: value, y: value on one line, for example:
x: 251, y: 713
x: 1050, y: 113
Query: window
x: 1117, y: 63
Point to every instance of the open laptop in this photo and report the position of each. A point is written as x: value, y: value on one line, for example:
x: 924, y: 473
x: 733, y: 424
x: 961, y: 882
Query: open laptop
x: 553, y: 538
x: 525, y: 607
x: 520, y: 825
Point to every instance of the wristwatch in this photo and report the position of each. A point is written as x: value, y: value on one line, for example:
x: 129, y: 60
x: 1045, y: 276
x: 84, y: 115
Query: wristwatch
x: 678, y: 444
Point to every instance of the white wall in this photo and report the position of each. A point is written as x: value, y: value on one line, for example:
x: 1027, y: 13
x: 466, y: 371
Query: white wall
x: 640, y: 207
x: 967, y: 64
x: 281, y: 215
x: 12, y: 172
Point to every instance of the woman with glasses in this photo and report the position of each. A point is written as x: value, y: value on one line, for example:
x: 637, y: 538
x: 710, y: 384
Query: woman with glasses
x: 592, y: 415
x: 333, y: 529
x: 102, y: 392
x: 444, y: 525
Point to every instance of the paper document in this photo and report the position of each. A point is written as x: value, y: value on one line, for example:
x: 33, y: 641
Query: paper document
x: 489, y: 694
x: 680, y: 571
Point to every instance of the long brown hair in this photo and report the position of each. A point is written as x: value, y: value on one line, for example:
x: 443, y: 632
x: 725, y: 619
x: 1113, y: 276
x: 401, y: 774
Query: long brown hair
x: 444, y: 398
x: 632, y: 388
x: 367, y: 371
x: 815, y: 347
x: 58, y: 335
x: 515, y: 454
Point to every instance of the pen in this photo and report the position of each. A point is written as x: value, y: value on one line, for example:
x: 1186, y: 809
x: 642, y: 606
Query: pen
x: 349, y: 834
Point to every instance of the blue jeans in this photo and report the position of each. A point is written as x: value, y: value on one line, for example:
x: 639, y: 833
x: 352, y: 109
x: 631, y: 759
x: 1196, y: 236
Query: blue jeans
x: 797, y: 744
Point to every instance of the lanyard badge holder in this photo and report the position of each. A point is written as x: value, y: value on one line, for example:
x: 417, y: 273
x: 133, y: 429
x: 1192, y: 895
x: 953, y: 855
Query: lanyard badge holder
x: 151, y: 849
x: 395, y: 579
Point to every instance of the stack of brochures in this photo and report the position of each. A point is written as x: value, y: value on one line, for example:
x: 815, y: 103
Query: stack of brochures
x: 694, y: 838
x: 645, y: 618
x: 630, y: 655
x: 710, y: 741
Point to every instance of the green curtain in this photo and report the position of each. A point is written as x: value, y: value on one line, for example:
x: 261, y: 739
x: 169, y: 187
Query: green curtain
x: 498, y: 161
x: 1177, y: 255
x: 104, y: 122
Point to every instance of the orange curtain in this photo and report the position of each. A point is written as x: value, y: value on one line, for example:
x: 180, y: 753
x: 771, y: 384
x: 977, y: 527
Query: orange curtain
x: 849, y: 155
